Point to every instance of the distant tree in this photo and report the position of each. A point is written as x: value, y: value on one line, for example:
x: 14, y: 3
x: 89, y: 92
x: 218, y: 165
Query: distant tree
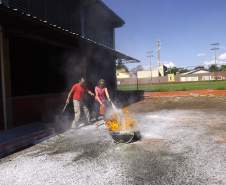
x: 199, y: 68
x: 121, y: 66
x: 183, y: 70
x: 223, y: 68
x: 172, y: 70
x: 213, y: 68
x: 137, y: 68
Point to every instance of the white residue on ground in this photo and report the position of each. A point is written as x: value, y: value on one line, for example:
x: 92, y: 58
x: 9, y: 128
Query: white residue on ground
x: 88, y: 155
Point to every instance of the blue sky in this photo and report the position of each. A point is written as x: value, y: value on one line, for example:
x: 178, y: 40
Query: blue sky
x: 185, y: 27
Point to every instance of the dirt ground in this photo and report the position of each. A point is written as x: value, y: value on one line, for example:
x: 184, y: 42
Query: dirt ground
x: 183, y: 142
x: 188, y: 102
x: 212, y: 105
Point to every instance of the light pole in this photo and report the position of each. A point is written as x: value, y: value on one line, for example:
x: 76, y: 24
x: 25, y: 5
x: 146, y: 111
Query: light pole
x: 158, y: 46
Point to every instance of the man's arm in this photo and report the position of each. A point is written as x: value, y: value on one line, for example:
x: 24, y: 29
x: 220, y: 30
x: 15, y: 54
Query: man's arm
x: 69, y: 95
x: 90, y: 93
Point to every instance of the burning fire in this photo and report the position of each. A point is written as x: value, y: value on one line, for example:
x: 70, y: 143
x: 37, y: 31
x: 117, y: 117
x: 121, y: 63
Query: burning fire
x: 120, y: 121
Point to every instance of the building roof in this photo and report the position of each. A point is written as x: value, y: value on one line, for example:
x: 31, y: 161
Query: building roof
x: 6, y: 11
x: 196, y: 71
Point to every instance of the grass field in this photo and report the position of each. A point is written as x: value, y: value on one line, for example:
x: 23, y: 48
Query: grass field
x: 216, y: 85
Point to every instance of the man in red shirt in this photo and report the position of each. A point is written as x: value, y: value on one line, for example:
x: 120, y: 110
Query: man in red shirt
x: 77, y: 94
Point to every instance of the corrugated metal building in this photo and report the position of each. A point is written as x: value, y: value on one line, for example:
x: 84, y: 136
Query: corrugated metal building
x: 45, y: 46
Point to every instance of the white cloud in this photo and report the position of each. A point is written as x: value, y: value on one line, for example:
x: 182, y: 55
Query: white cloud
x: 208, y: 63
x: 201, y: 54
x: 169, y: 64
x: 220, y: 60
x: 222, y: 56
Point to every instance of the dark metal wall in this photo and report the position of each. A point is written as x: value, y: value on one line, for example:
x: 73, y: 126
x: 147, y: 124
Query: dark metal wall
x: 1, y: 102
x: 101, y: 65
x: 98, y: 27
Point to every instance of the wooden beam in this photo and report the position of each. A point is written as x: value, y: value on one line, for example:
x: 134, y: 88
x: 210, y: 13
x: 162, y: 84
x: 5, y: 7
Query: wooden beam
x: 6, y: 81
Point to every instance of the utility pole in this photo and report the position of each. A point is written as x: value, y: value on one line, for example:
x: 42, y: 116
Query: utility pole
x: 158, y: 46
x: 215, y: 48
x: 149, y: 56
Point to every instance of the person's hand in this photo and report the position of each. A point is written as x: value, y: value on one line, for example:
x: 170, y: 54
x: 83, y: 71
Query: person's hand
x: 67, y: 101
x: 91, y: 93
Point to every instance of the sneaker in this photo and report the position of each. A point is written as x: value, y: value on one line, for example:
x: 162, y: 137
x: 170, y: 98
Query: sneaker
x: 74, y: 125
x: 99, y: 123
x: 81, y: 125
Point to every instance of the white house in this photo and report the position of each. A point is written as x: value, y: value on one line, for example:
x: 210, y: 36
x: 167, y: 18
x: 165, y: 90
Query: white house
x: 155, y: 72
x: 194, y: 72
x: 193, y: 75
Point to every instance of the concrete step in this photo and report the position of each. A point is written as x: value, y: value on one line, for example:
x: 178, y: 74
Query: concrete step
x: 19, y: 143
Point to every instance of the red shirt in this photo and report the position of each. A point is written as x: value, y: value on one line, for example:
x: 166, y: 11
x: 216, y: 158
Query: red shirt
x: 78, y: 92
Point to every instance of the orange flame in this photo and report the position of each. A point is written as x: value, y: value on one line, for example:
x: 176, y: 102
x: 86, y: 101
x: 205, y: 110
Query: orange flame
x: 120, y: 122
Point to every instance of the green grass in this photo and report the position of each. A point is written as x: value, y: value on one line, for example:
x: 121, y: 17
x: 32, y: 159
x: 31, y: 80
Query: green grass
x: 218, y: 85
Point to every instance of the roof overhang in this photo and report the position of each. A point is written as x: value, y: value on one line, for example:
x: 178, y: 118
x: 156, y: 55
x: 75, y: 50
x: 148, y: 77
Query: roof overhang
x: 13, y: 17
